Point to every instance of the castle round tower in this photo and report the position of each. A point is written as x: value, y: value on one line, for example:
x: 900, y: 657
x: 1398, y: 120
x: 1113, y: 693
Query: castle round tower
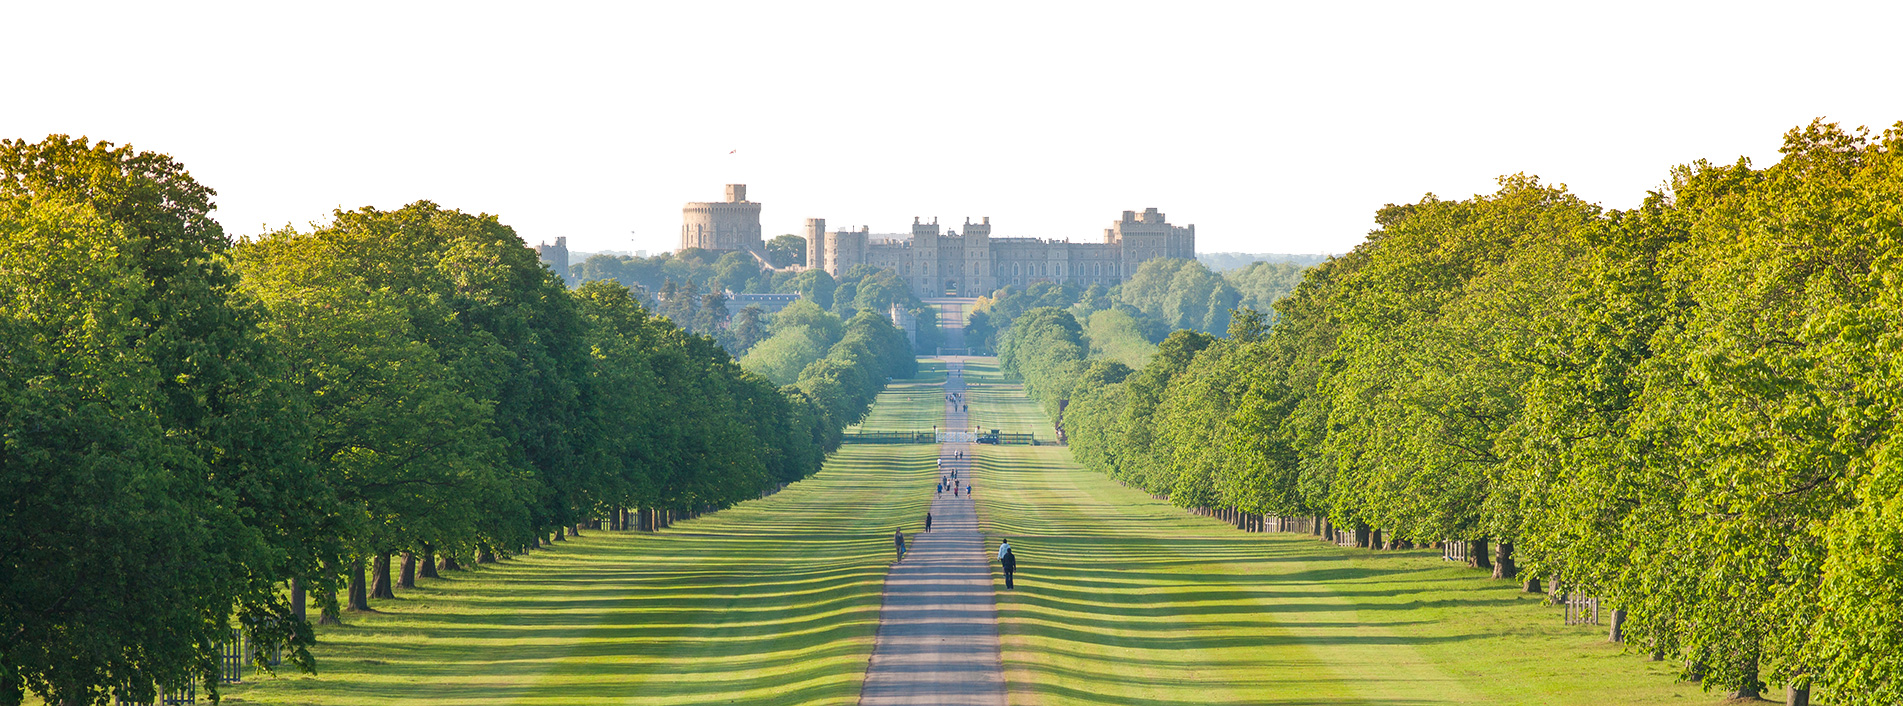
x: 723, y: 226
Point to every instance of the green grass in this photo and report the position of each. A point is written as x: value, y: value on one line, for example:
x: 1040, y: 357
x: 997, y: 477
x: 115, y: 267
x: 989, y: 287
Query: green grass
x: 1122, y: 600
x: 910, y: 405
x: 772, y: 601
x: 1127, y: 600
x: 1001, y: 404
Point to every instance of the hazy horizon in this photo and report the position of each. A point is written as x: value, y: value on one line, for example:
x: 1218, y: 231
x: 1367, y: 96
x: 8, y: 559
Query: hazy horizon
x: 1273, y: 130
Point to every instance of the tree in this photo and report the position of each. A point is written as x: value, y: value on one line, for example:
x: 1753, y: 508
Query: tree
x: 735, y: 270
x: 1181, y: 294
x: 152, y: 463
x: 786, y: 250
x: 1260, y: 284
x: 748, y: 328
x: 817, y: 287
x: 364, y: 311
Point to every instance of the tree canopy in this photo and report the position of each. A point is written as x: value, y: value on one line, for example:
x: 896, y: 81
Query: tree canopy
x: 194, y: 433
x: 1685, y: 409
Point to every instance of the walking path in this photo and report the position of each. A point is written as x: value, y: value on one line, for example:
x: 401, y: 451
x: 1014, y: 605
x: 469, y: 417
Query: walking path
x: 938, y: 629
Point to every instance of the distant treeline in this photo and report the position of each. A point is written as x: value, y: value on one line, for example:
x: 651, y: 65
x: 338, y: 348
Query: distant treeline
x: 1226, y: 261
x: 1688, y: 409
x: 690, y: 288
x: 1163, y: 295
x: 196, y: 434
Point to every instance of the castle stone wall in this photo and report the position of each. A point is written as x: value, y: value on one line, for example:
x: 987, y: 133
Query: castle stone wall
x: 974, y: 263
x: 723, y: 226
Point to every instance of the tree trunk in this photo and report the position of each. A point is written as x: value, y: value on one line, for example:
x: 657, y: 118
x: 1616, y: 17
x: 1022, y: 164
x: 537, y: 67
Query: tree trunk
x: 1532, y: 585
x: 1795, y: 695
x: 381, y: 585
x: 449, y: 562
x: 1374, y: 539
x: 1617, y: 632
x: 561, y: 535
x: 1320, y: 528
x: 485, y: 555
x: 1477, y: 554
x: 578, y: 529
x: 1749, y: 687
x: 327, y: 613
x: 429, y: 562
x: 1503, y: 561
x: 359, y: 598
x: 535, y: 541
x: 298, y: 600
x: 408, y: 578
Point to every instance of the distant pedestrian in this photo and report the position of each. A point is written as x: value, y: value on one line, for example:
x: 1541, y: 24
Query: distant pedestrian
x: 898, y: 538
x: 928, y: 522
x: 1009, y: 559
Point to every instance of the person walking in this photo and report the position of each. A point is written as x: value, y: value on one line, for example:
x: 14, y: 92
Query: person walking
x: 898, y: 538
x: 1009, y: 559
x: 928, y: 522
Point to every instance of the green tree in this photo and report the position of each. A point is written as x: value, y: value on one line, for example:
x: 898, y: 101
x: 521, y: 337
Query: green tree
x: 735, y: 270
x: 817, y: 287
x: 151, y: 461
x: 1181, y: 294
x: 786, y: 250
x: 748, y: 328
x: 1260, y: 284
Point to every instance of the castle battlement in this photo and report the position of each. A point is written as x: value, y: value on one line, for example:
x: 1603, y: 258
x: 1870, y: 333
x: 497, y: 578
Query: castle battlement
x: 722, y: 226
x: 976, y: 263
x: 937, y: 261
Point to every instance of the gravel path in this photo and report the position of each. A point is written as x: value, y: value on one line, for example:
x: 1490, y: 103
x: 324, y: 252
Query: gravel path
x: 938, y: 629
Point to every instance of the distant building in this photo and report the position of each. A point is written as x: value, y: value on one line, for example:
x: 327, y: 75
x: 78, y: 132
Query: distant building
x: 768, y: 303
x: 555, y: 256
x: 975, y: 264
x: 949, y: 263
x: 723, y: 226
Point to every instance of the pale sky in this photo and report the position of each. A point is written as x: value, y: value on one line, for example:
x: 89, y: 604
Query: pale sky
x: 1274, y: 127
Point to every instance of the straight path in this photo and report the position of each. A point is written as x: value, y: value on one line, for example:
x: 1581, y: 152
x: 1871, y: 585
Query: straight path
x: 938, y: 628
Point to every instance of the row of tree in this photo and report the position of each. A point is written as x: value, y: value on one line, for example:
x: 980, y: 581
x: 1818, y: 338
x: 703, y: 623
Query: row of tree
x: 1688, y: 408
x: 196, y: 433
x: 1165, y: 294
x: 691, y: 288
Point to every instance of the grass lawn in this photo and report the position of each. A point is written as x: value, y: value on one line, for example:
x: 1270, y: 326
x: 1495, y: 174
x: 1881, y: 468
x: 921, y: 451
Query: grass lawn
x: 1122, y: 600
x: 1127, y: 600
x: 1000, y: 404
x: 770, y: 602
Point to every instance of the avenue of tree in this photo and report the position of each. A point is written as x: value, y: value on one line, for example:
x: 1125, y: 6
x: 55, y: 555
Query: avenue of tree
x: 1688, y: 409
x: 198, y: 434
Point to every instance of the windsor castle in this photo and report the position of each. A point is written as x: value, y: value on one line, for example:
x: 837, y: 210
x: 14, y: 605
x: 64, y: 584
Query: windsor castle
x: 949, y: 263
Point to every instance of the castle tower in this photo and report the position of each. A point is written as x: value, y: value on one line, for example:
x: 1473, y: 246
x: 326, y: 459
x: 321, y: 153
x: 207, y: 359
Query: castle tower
x: 1148, y: 236
x: 846, y: 249
x: 816, y: 243
x: 927, y: 279
x: 555, y: 256
x: 723, y: 226
x: 979, y: 280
